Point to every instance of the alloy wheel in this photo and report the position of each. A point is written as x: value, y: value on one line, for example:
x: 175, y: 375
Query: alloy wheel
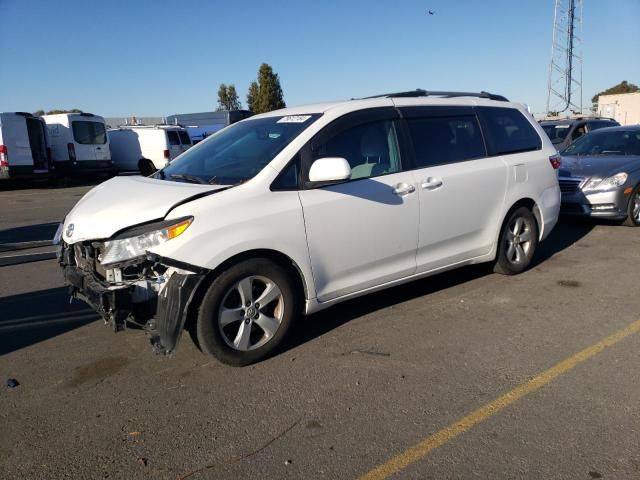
x: 250, y: 313
x: 519, y: 239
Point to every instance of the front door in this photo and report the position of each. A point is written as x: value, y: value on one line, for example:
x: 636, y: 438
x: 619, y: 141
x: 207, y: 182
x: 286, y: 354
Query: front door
x: 364, y: 232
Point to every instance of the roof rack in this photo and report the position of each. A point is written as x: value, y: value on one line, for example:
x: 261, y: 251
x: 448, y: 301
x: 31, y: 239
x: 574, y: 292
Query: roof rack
x: 419, y: 92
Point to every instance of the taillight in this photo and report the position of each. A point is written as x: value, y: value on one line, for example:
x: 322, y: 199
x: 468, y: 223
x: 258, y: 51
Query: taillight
x: 72, y: 151
x: 167, y: 154
x: 4, y: 156
x: 556, y: 161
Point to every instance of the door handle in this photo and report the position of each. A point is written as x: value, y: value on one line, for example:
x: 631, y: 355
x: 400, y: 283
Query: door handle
x: 403, y: 189
x: 431, y: 183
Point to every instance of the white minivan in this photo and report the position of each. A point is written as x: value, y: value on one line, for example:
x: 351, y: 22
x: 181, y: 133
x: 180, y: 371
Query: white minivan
x: 23, y: 146
x: 147, y: 148
x: 293, y: 211
x: 78, y: 142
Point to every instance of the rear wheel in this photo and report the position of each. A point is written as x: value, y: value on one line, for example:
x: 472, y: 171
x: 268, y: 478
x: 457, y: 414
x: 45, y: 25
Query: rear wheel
x: 633, y: 209
x: 247, y: 312
x: 518, y: 242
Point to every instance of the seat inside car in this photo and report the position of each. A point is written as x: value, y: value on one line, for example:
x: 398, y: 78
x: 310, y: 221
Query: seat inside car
x: 374, y: 152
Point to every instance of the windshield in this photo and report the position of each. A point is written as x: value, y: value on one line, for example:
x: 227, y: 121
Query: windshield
x: 556, y: 133
x: 238, y: 152
x: 617, y: 142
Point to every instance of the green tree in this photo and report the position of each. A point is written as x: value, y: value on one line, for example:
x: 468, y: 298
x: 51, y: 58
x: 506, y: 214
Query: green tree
x: 73, y: 110
x: 38, y: 113
x: 265, y: 94
x: 252, y: 96
x: 622, y: 87
x: 228, y: 98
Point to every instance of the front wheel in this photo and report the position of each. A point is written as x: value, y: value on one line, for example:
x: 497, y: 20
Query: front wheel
x: 633, y: 209
x: 247, y: 312
x: 518, y: 242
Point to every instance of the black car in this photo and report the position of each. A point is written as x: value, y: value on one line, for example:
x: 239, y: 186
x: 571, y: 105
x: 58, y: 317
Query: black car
x: 566, y: 131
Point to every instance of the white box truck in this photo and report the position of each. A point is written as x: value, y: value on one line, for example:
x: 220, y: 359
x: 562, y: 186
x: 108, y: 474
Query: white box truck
x: 147, y: 148
x: 78, y: 142
x: 23, y: 146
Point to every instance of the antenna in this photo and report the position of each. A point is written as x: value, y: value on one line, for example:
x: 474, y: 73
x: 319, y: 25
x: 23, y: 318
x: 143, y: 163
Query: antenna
x: 565, y: 68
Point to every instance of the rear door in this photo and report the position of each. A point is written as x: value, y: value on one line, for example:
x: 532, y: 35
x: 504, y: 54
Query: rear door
x: 89, y: 138
x: 175, y: 147
x: 461, y: 189
x: 38, y: 144
x: 15, y: 138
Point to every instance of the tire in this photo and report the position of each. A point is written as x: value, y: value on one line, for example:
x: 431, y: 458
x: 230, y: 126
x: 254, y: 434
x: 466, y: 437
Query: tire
x: 518, y: 242
x: 232, y: 326
x: 633, y: 209
x: 146, y: 167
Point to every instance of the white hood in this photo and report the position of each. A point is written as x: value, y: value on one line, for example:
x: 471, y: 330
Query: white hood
x: 123, y: 202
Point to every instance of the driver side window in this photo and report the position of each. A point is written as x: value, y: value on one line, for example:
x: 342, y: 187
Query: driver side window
x: 371, y: 149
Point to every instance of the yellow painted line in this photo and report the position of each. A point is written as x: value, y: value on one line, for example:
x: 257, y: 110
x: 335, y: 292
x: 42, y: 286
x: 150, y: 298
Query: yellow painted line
x: 422, y: 449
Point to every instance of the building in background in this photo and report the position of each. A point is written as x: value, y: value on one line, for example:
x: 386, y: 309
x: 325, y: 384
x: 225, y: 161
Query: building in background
x: 201, y: 125
x: 623, y: 107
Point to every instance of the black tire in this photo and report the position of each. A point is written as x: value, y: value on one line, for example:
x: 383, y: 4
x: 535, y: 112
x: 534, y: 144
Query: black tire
x: 146, y: 167
x: 633, y: 220
x: 216, y: 340
x: 510, y: 260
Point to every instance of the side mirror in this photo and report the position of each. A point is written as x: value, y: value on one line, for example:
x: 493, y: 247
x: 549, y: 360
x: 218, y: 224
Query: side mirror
x: 325, y: 171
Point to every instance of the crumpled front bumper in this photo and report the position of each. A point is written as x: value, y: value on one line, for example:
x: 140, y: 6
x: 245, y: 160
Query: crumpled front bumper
x: 611, y: 204
x: 163, y: 312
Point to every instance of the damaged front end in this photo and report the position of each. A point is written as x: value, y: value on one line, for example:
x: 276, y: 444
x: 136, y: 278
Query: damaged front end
x: 150, y: 291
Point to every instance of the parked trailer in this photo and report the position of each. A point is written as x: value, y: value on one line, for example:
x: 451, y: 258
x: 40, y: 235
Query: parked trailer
x: 147, y: 148
x: 23, y: 146
x: 79, y: 142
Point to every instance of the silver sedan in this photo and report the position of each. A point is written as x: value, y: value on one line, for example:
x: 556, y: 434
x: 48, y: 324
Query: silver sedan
x: 600, y: 175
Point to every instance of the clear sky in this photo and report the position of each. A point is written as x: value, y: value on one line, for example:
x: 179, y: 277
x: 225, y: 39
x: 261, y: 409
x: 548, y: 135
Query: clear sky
x: 153, y: 58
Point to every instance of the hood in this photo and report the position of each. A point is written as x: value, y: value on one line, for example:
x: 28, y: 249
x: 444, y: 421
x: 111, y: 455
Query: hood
x: 126, y: 201
x: 598, y: 165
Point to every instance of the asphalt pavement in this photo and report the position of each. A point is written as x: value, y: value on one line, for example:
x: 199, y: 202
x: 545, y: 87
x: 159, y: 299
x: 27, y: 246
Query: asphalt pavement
x: 462, y: 375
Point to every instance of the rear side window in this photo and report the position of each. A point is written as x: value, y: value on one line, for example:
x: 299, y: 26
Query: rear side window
x: 441, y: 140
x: 89, y: 133
x: 507, y: 131
x: 184, y: 137
x: 173, y: 137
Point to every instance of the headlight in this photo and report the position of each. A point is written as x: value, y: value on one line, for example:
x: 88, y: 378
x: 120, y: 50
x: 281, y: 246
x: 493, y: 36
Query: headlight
x: 122, y: 249
x: 608, y: 183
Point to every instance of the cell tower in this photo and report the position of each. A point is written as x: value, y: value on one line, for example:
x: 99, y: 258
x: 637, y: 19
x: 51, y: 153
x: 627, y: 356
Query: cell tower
x: 565, y: 68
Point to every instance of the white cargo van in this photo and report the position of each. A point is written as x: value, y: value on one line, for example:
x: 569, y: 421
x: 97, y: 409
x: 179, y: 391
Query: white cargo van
x: 23, y: 145
x: 78, y: 142
x: 147, y: 148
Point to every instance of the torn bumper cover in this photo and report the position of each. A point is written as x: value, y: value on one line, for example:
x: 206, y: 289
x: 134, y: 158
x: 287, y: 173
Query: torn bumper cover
x: 158, y: 296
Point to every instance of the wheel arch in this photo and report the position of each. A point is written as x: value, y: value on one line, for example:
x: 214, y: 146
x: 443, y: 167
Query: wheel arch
x: 290, y: 266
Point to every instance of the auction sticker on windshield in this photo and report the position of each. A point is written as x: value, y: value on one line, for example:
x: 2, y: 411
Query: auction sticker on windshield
x: 294, y: 119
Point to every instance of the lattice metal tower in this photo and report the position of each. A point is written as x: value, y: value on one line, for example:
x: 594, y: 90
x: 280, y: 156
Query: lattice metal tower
x: 565, y: 68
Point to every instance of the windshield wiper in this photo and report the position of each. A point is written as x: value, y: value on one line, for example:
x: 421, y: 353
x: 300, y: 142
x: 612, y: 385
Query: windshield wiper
x: 188, y: 178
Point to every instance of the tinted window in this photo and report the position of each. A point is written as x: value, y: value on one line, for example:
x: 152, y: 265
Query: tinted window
x: 173, y: 137
x: 371, y: 149
x: 288, y: 178
x: 579, y: 131
x: 597, y: 125
x: 238, y: 152
x: 508, y: 131
x: 184, y: 137
x: 89, y: 133
x: 440, y: 140
x: 556, y: 133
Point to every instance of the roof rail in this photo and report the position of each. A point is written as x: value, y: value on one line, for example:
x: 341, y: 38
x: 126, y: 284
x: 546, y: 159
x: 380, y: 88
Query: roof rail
x: 419, y: 92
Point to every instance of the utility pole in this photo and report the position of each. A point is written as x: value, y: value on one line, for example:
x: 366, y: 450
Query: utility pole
x: 564, y: 92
